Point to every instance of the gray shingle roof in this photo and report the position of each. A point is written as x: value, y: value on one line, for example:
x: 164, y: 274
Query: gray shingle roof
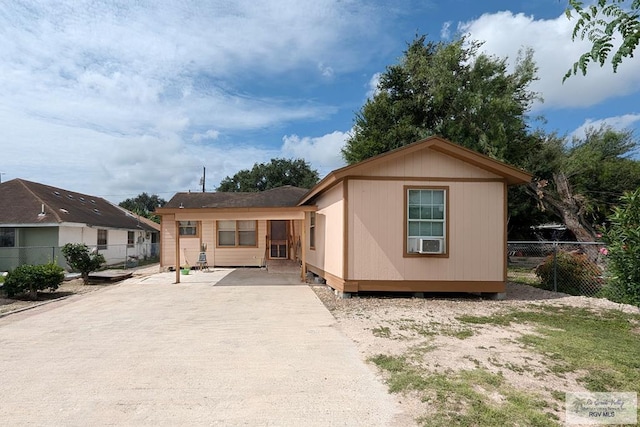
x: 286, y: 196
x: 21, y: 203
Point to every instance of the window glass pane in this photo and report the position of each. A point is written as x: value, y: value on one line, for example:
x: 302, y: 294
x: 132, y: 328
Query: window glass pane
x: 247, y: 225
x: 414, y: 228
x: 247, y: 238
x: 313, y: 218
x: 226, y: 238
x: 414, y: 212
x: 7, y: 237
x: 438, y: 197
x: 437, y: 228
x: 227, y: 225
x: 425, y: 229
x: 425, y: 212
x: 414, y: 197
x: 438, y: 212
x: 425, y: 198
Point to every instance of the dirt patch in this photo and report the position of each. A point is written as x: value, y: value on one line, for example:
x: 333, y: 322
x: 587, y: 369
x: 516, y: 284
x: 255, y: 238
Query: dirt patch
x: 67, y: 289
x: 427, y: 330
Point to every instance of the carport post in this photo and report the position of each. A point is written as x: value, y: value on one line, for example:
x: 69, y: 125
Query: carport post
x: 177, y: 252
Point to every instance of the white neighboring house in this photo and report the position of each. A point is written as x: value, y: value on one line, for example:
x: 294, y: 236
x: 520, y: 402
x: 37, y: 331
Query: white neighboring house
x: 36, y: 220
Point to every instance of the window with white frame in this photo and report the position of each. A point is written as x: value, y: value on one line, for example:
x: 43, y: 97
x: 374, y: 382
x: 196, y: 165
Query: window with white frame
x: 233, y: 233
x: 426, y: 217
x: 102, y: 239
x: 7, y: 237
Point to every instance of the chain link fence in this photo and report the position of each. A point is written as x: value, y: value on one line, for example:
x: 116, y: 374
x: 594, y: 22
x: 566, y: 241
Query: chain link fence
x: 116, y: 256
x: 575, y: 268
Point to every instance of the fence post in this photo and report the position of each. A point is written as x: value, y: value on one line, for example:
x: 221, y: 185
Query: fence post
x: 126, y: 252
x: 555, y: 267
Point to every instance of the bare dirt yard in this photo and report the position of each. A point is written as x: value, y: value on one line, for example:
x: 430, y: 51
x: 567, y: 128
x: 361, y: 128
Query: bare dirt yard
x: 67, y: 289
x: 448, y: 366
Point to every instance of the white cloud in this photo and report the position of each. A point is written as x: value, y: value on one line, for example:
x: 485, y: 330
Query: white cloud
x: 627, y: 121
x: 374, y: 81
x: 505, y: 33
x: 325, y: 71
x: 115, y: 98
x: 323, y: 153
x: 445, y: 31
x: 210, y: 134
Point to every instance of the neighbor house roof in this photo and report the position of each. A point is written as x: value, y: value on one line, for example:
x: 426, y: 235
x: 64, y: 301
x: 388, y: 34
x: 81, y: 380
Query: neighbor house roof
x: 511, y: 175
x: 286, y: 196
x: 29, y: 203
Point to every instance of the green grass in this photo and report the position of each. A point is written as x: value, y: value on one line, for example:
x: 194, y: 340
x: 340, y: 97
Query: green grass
x: 604, y: 345
x: 382, y: 332
x: 463, y: 398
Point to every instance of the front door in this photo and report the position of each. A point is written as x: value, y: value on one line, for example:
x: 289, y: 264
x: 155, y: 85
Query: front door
x: 278, y: 239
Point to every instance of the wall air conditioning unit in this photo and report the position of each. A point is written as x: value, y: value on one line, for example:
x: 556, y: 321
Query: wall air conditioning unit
x: 431, y: 246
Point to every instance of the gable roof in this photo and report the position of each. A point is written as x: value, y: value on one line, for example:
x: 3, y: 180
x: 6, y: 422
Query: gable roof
x: 21, y: 202
x: 512, y: 175
x: 286, y: 196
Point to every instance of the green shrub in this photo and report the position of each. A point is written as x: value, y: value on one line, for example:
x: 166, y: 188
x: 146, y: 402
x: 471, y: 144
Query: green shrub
x: 80, y: 259
x: 622, y: 237
x: 33, y: 278
x: 575, y: 274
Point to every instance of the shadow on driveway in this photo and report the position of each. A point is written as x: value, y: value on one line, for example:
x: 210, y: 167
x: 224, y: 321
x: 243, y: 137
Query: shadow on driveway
x: 259, y: 277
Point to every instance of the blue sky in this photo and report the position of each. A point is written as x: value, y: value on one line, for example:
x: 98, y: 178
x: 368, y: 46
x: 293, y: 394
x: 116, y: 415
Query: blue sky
x: 113, y: 98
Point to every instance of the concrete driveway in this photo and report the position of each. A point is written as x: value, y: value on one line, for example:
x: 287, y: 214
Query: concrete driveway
x: 149, y: 352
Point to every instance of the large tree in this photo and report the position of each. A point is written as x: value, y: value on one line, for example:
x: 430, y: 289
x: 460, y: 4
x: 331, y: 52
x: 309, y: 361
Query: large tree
x: 451, y: 90
x: 604, y: 24
x: 264, y: 176
x: 581, y: 180
x: 144, y: 205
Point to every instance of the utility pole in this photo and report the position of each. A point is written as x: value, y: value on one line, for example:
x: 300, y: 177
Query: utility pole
x: 204, y: 176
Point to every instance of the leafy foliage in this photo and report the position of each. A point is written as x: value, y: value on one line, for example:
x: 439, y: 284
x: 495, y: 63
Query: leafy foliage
x: 574, y: 273
x: 601, y: 23
x: 32, y: 278
x: 144, y: 205
x: 80, y: 259
x: 453, y: 91
x: 265, y: 176
x: 580, y: 181
x: 622, y: 237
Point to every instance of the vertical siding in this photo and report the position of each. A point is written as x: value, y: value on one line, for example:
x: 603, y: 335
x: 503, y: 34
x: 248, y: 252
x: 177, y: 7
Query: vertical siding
x: 329, y: 250
x: 167, y: 241
x: 429, y: 163
x: 476, y: 233
x: 243, y: 257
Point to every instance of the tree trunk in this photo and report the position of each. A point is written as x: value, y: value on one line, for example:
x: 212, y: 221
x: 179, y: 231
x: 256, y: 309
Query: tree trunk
x: 565, y: 204
x: 33, y: 293
x: 85, y: 278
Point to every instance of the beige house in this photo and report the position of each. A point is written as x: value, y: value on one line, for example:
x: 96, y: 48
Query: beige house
x: 234, y: 229
x: 427, y: 217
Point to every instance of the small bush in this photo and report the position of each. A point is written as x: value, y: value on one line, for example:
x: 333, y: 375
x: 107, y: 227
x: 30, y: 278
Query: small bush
x: 81, y: 259
x: 575, y: 274
x: 33, y: 278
